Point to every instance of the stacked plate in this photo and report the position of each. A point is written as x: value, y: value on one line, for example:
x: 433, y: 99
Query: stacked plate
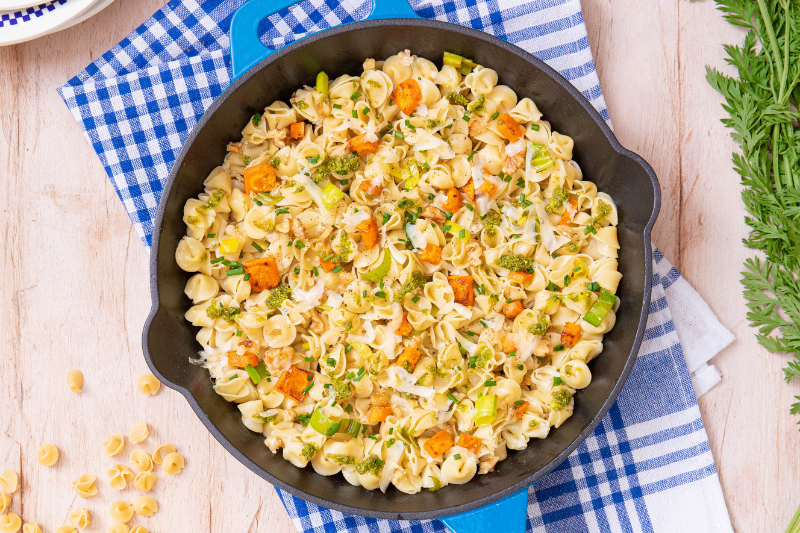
x: 22, y: 20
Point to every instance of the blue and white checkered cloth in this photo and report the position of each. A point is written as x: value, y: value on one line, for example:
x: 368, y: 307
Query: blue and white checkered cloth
x: 647, y: 466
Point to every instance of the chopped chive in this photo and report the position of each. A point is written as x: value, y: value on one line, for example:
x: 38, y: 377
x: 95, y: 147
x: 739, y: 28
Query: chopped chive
x: 239, y: 333
x: 490, y: 383
x: 355, y: 113
x: 399, y: 135
x: 391, y: 101
x: 296, y: 270
x: 391, y: 430
x: 211, y: 235
x: 349, y: 408
x: 315, y: 271
x: 282, y: 211
x: 415, y: 299
x: 299, y: 244
x: 469, y: 206
x: 465, y: 118
x: 337, y: 270
x: 247, y: 276
x: 235, y: 271
x: 344, y: 182
x: 513, y: 354
x: 328, y: 257
x: 380, y: 294
x: 451, y: 397
x: 559, y: 348
x: 309, y: 377
x: 386, y: 217
x: 217, y: 260
x: 567, y: 280
x: 365, y: 111
x: 348, y: 348
x: 520, y: 183
x: 535, y: 127
x: 426, y: 165
x: 308, y: 359
x: 257, y: 247
x: 519, y: 402
x: 350, y: 375
x: 457, y: 456
x: 308, y: 387
x: 496, y: 114
x: 337, y: 106
x: 462, y: 233
x: 331, y: 361
x: 290, y: 243
x: 593, y: 286
x: 470, y: 156
x: 256, y: 201
x: 355, y: 96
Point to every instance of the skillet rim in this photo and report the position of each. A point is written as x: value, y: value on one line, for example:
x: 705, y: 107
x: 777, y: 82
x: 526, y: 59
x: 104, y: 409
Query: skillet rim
x: 508, y: 48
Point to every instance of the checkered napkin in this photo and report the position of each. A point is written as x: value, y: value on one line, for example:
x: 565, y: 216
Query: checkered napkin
x: 647, y: 466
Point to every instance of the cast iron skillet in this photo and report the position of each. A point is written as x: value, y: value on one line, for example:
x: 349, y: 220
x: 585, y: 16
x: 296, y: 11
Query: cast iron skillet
x: 169, y: 340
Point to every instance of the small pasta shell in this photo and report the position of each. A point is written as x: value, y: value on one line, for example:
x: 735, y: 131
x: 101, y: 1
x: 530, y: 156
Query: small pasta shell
x: 47, y: 454
x: 173, y: 464
x: 118, y: 527
x: 84, y: 486
x: 80, y: 518
x: 10, y: 523
x: 114, y: 444
x: 5, y: 501
x: 9, y: 481
x: 139, y: 529
x: 145, y: 480
x: 121, y: 511
x: 139, y: 432
x: 120, y: 475
x: 141, y: 460
x: 148, y: 384
x: 145, y: 506
x: 31, y: 527
x: 66, y: 529
x: 75, y: 381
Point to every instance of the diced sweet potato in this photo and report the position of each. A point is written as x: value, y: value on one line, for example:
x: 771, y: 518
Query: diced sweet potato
x: 439, y: 443
x: 513, y: 309
x: 469, y: 189
x: 569, y: 214
x: 520, y: 277
x: 296, y: 130
x: 409, y: 358
x: 293, y: 382
x: 368, y: 187
x: 369, y: 232
x: 328, y: 265
x: 570, y: 334
x: 242, y: 360
x: 260, y: 178
x: 361, y: 146
x: 508, y: 345
x: 509, y: 128
x: 405, y: 326
x: 462, y: 289
x: 432, y: 254
x: 470, y: 442
x: 408, y: 95
x: 488, y: 188
x: 378, y: 413
x: 264, y: 273
x: 521, y: 408
x: 453, y: 202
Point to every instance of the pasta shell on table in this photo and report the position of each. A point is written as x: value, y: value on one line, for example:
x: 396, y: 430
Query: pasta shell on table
x: 121, y: 511
x: 139, y: 529
x: 114, y: 444
x: 145, y: 506
x: 119, y: 476
x: 75, y: 381
x: 80, y: 518
x: 173, y: 464
x: 139, y: 432
x: 65, y: 529
x: 141, y: 460
x: 161, y: 451
x: 144, y: 481
x: 47, y: 454
x: 9, y: 481
x: 148, y: 384
x: 5, y: 501
x: 10, y: 523
x: 31, y: 527
x: 118, y: 527
x: 84, y: 486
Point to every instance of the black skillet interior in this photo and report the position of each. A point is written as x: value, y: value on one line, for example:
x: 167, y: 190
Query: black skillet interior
x: 169, y: 340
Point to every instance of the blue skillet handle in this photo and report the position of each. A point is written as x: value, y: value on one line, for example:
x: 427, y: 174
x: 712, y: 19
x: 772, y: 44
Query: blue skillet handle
x: 508, y: 515
x: 247, y: 49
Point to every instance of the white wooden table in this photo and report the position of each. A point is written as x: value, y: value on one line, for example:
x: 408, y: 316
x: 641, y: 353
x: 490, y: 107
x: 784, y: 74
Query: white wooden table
x: 75, y: 290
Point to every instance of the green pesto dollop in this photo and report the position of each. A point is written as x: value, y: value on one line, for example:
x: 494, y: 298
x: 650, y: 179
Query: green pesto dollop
x: 603, y: 210
x: 345, y: 248
x: 490, y: 221
x: 278, y: 295
x: 275, y: 161
x: 309, y: 449
x: 341, y: 388
x: 580, y: 296
x: 229, y: 314
x: 301, y: 105
x: 513, y: 262
x: 341, y: 458
x: 265, y: 419
x: 340, y: 165
x: 554, y: 298
x: 533, y: 424
x: 426, y: 380
x: 371, y: 464
x: 432, y: 123
x: 436, y: 371
x: 540, y: 325
x: 415, y: 281
x: 561, y: 398
x: 560, y: 195
x: 193, y: 220
x: 372, y: 84
x: 477, y: 104
x: 483, y: 355
x: 458, y: 99
x: 246, y: 159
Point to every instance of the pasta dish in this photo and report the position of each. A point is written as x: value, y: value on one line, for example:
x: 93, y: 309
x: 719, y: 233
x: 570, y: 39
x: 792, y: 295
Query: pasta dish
x: 401, y: 275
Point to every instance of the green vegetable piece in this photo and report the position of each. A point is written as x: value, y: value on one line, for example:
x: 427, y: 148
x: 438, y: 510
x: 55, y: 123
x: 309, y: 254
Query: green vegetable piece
x: 415, y: 281
x: 561, y: 398
x: 539, y: 327
x: 331, y: 194
x: 278, y: 295
x: 517, y: 263
x: 600, y: 309
x: 309, y: 450
x: 378, y: 273
x: 229, y: 314
x: 322, y: 84
x: 322, y: 424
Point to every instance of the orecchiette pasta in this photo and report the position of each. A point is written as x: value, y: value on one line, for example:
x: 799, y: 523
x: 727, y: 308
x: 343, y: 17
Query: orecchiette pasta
x: 148, y: 384
x: 10, y: 523
x: 119, y: 476
x: 145, y: 506
x: 80, y: 518
x: 121, y: 511
x: 75, y: 381
x: 139, y: 432
x: 401, y: 276
x: 84, y: 486
x: 114, y: 444
x: 47, y: 454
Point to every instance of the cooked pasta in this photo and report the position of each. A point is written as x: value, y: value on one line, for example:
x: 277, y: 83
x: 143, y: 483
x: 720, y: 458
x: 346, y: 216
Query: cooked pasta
x: 75, y: 381
x: 114, y: 444
x: 400, y: 275
x: 144, y: 481
x: 145, y: 506
x: 148, y: 384
x: 121, y: 511
x: 139, y: 432
x: 84, y: 486
x: 9, y: 481
x: 47, y: 455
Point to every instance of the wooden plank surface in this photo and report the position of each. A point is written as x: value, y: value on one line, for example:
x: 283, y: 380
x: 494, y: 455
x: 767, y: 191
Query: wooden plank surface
x: 75, y: 291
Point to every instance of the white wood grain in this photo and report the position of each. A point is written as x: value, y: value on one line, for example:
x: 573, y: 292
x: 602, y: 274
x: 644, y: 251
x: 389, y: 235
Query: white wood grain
x: 75, y: 291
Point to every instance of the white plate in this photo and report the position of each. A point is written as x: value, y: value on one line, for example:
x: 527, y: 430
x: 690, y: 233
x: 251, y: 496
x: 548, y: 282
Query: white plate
x: 19, y: 25
x: 96, y: 8
x: 8, y: 5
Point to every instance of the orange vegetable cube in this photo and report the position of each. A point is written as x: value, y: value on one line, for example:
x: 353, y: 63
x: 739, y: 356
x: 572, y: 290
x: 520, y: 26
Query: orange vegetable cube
x: 469, y: 189
x: 520, y: 277
x: 369, y: 232
x: 570, y: 334
x: 508, y: 345
x: 567, y: 217
x: 509, y: 128
x: 453, y: 202
x: 470, y: 442
x: 488, y: 188
x: 296, y: 130
x: 432, y: 254
x: 409, y: 358
x: 361, y: 146
x: 438, y: 444
x: 242, y: 360
x: 513, y: 309
x: 260, y: 178
x: 366, y: 186
x: 521, y: 408
x: 408, y: 95
x: 462, y: 289
x: 378, y: 413
x: 264, y: 273
x: 293, y: 382
x: 405, y: 326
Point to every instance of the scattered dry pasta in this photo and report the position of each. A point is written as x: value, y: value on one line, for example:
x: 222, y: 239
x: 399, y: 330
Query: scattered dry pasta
x: 75, y: 381
x: 422, y: 267
x: 9, y: 481
x: 139, y: 432
x: 141, y: 460
x: 145, y: 506
x: 10, y: 523
x: 148, y: 384
x: 120, y: 475
x: 145, y: 480
x: 31, y: 527
x: 118, y: 528
x: 65, y: 529
x: 161, y: 451
x: 173, y: 464
x: 5, y: 501
x: 121, y: 511
x: 139, y: 529
x: 47, y: 454
x: 84, y: 486
x: 114, y: 444
x: 80, y: 518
